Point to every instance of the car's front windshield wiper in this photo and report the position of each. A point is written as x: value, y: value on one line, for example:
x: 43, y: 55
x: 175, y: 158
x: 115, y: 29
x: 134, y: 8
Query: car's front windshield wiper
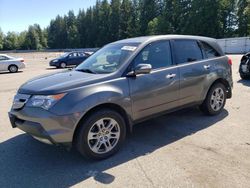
x: 86, y: 70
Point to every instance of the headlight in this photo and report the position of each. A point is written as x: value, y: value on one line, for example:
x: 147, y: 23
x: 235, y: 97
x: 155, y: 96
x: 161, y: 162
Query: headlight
x: 54, y: 61
x: 45, y: 102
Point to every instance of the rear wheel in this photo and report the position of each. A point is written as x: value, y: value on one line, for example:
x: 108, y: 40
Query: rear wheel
x: 13, y: 68
x: 63, y: 65
x: 215, y: 100
x: 101, y: 134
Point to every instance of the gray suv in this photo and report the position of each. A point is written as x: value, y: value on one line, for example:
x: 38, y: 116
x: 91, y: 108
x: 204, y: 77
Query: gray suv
x: 95, y: 105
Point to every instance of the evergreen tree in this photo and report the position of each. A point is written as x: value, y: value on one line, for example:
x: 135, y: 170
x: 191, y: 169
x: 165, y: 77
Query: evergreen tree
x: 71, y: 30
x: 104, y: 31
x: 125, y: 19
x: 32, y: 41
x: 111, y: 20
x: 243, y: 14
x: 115, y: 19
x: 1, y: 39
x: 10, y: 41
x: 148, y: 11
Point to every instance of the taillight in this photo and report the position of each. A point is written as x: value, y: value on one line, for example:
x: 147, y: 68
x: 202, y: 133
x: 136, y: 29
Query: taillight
x: 22, y: 60
x: 230, y: 61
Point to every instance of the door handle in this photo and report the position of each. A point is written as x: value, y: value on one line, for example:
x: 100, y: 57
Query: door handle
x: 207, y: 67
x: 170, y: 76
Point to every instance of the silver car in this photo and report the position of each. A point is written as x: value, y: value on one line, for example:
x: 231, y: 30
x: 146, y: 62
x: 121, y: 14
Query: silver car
x: 95, y: 105
x: 11, y: 64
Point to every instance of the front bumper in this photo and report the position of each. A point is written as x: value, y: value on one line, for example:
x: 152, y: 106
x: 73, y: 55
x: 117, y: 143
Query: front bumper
x: 53, y: 64
x: 45, y: 126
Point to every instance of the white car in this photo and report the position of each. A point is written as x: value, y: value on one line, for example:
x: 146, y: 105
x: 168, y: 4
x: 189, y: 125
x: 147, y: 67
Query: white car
x: 11, y: 64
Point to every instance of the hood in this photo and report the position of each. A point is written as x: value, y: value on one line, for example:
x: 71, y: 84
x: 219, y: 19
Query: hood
x: 59, y: 82
x: 59, y: 58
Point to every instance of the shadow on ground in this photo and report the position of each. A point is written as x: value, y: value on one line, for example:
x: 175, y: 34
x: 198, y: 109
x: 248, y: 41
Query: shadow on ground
x: 244, y: 82
x: 7, y: 72
x: 25, y: 162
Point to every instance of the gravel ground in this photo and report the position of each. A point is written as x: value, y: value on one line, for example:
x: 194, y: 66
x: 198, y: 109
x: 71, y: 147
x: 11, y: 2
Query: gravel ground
x: 182, y: 149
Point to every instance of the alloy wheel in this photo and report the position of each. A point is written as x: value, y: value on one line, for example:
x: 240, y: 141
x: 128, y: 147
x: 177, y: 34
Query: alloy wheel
x: 103, y: 135
x: 217, y: 99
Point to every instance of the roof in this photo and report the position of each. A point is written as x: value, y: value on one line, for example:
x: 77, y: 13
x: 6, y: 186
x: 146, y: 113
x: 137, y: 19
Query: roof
x: 147, y: 39
x: 158, y: 37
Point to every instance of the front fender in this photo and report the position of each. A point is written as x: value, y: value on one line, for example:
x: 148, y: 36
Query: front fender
x: 83, y: 99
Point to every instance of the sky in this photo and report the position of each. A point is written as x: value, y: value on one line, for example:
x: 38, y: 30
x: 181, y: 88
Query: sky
x: 17, y: 15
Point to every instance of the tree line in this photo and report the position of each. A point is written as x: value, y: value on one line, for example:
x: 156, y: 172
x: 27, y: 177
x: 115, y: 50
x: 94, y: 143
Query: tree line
x: 109, y: 21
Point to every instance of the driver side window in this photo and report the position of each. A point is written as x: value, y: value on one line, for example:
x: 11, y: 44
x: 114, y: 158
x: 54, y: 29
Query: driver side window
x: 157, y: 54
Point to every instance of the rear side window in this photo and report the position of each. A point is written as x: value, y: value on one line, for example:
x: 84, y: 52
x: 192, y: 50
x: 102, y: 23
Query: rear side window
x: 158, y: 54
x: 187, y: 51
x: 209, y: 51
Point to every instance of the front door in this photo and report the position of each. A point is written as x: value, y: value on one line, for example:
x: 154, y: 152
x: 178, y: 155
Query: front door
x: 158, y: 91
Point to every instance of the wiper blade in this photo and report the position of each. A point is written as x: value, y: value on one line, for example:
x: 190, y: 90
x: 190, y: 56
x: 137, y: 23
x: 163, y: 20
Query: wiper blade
x: 86, y: 70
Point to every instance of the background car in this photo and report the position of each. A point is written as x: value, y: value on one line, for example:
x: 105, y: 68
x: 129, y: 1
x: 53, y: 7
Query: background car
x: 244, y: 69
x: 11, y: 64
x: 69, y: 59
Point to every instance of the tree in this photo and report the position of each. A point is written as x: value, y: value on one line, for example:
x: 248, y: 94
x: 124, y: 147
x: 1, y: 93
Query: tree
x: 165, y: 25
x: 32, y: 41
x: 243, y: 14
x: 21, y: 40
x: 103, y: 24
x: 115, y: 19
x: 10, y: 41
x: 153, y: 26
x: 82, y: 27
x: 1, y: 39
x: 135, y: 16
x: 111, y: 20
x: 72, y: 30
x: 41, y: 35
x: 148, y: 11
x: 57, y: 33
x: 202, y: 17
x: 125, y: 19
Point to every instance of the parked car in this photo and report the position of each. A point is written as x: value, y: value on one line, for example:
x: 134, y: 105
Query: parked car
x: 244, y: 68
x: 95, y: 105
x: 69, y: 59
x: 11, y: 64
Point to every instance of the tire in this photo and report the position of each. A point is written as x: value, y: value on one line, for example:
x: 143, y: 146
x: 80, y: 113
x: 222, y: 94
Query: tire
x: 97, y: 141
x: 215, y: 100
x: 244, y: 76
x: 13, y: 68
x: 63, y: 65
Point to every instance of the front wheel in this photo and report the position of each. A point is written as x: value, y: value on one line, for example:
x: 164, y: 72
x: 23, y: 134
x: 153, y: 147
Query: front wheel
x: 101, y: 134
x: 63, y: 65
x: 215, y: 100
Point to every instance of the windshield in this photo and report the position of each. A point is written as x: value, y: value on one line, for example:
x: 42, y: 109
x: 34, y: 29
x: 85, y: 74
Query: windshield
x: 9, y: 57
x: 108, y: 59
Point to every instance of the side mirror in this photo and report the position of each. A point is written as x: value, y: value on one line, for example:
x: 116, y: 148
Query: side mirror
x: 141, y: 69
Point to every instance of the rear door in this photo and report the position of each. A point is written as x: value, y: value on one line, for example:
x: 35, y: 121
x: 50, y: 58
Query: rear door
x: 194, y: 70
x: 158, y: 91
